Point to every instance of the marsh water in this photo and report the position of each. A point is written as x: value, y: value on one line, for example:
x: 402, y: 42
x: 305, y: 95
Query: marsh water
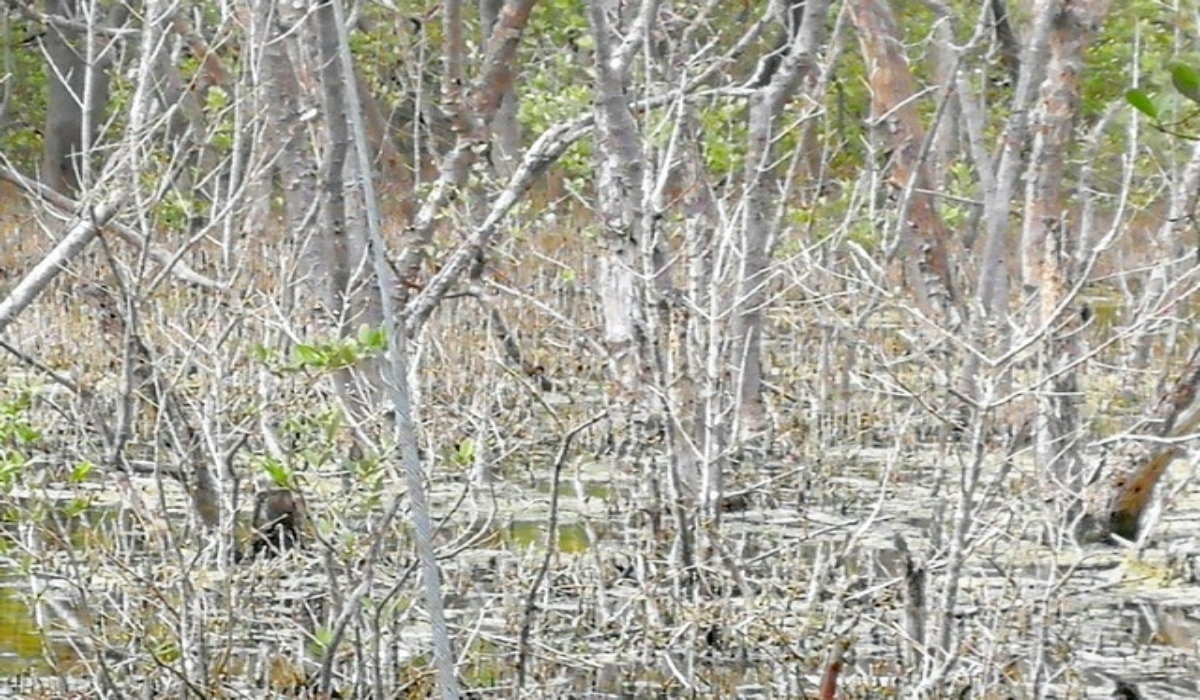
x: 820, y: 551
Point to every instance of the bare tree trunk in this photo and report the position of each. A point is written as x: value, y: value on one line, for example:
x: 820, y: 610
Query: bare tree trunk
x: 336, y: 246
x: 621, y: 189
x: 993, y: 279
x: 1054, y: 122
x: 187, y: 130
x: 699, y: 437
x: 1177, y: 227
x: 470, y: 112
x: 280, y: 148
x: 998, y: 181
x: 394, y: 173
x: 1006, y: 37
x: 946, y: 146
x: 333, y: 22
x: 183, y: 435
x: 506, y: 131
x: 923, y: 240
x: 76, y: 97
x: 766, y: 104
x: 64, y: 102
x: 1047, y: 260
x: 350, y: 297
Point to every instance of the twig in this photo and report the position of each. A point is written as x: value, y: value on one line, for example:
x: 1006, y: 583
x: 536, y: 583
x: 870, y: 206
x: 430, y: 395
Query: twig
x: 551, y: 546
x: 39, y: 366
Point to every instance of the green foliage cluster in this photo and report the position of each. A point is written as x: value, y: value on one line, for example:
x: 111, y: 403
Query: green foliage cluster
x: 723, y: 130
x: 17, y: 434
x: 21, y: 127
x: 556, y: 85
x: 1168, y: 82
x: 389, y: 51
x: 1169, y: 113
x: 327, y: 354
x: 1111, y: 60
x: 313, y: 434
x: 314, y: 431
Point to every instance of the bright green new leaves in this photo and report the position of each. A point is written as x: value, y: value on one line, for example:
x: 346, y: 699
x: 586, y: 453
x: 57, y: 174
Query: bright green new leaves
x: 1140, y: 101
x: 1186, y: 80
x: 17, y: 433
x: 327, y: 355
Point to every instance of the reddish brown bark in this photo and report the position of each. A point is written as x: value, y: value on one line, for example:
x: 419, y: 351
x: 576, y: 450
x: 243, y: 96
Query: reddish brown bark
x: 470, y: 112
x: 1120, y: 502
x: 1048, y: 250
x: 1058, y: 102
x: 892, y: 92
x: 833, y: 668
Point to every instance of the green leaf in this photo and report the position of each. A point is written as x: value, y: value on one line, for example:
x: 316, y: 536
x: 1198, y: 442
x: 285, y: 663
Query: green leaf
x: 81, y: 472
x: 279, y: 473
x: 321, y: 640
x: 342, y: 357
x: 77, y: 506
x: 1186, y: 80
x: 262, y: 353
x: 310, y: 356
x: 1142, y: 103
x: 464, y: 453
x: 373, y: 339
x: 167, y: 652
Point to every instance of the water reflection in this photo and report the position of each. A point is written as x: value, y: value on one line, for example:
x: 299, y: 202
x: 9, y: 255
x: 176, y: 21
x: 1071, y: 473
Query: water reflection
x: 572, y: 537
x: 22, y: 645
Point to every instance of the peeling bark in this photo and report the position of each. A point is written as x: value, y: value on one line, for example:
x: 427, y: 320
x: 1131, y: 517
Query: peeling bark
x: 924, y: 240
x: 1046, y: 246
x: 471, y: 112
x: 994, y: 277
x: 621, y: 189
x: 1054, y: 124
x: 505, y: 128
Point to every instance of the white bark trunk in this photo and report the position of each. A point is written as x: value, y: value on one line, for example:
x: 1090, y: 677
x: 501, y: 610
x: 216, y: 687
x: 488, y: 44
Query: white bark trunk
x: 754, y: 276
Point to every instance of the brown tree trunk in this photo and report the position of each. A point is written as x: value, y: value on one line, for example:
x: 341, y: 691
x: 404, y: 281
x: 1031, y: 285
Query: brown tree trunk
x: 175, y: 424
x: 276, y: 105
x: 506, y: 131
x: 924, y: 242
x: 471, y: 111
x: 1054, y: 123
x: 336, y: 244
x: 1047, y: 248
